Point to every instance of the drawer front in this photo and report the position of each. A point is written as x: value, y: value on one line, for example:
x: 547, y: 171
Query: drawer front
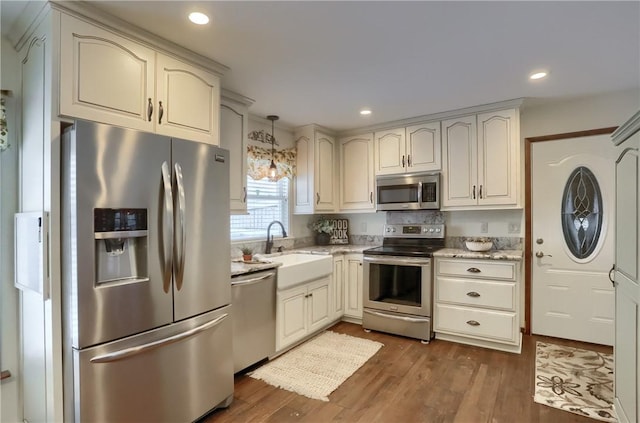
x: 493, y: 325
x: 477, y: 269
x: 493, y: 294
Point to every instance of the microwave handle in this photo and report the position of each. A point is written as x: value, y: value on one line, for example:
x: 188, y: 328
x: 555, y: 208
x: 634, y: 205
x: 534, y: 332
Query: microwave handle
x: 419, y: 194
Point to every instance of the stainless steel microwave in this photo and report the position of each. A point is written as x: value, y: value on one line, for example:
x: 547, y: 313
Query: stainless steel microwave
x: 408, y: 192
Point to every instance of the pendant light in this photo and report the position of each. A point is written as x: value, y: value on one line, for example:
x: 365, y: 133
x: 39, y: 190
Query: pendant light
x: 272, y: 168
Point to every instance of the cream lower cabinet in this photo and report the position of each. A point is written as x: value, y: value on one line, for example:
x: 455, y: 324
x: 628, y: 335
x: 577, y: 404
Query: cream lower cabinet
x: 353, y: 281
x: 234, y: 117
x: 357, y: 183
x: 477, y: 302
x: 627, y: 317
x: 301, y: 311
x: 337, y: 296
x: 481, y: 161
x: 109, y: 78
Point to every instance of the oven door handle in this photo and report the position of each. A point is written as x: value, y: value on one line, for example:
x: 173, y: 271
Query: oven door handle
x: 398, y: 260
x: 396, y: 317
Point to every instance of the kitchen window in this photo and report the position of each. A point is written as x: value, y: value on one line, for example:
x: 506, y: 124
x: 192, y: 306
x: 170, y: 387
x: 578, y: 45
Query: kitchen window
x: 266, y: 201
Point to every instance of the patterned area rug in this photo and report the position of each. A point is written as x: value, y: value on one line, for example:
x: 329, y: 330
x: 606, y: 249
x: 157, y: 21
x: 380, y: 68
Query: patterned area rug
x: 317, y: 367
x: 575, y: 380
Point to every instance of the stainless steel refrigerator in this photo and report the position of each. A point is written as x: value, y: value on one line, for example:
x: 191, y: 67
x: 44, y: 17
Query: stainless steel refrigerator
x: 146, y: 283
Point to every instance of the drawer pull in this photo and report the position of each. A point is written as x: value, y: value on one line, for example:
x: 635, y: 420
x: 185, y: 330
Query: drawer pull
x: 473, y: 270
x: 473, y: 323
x: 473, y: 294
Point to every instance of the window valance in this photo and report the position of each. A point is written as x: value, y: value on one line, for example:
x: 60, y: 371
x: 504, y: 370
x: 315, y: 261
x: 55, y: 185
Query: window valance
x: 259, y: 160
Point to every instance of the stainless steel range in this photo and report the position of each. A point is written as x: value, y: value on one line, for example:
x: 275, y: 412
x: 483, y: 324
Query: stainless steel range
x: 398, y: 281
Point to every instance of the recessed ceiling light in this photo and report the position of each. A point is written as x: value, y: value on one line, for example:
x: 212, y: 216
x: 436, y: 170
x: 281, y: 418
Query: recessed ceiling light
x: 538, y: 75
x: 365, y: 112
x: 198, y: 18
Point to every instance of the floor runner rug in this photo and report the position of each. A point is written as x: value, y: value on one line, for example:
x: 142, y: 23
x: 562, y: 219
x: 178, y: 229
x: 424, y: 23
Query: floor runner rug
x: 575, y: 380
x: 319, y: 366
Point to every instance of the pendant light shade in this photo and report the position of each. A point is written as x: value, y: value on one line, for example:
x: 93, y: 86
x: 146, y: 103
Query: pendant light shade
x: 272, y: 168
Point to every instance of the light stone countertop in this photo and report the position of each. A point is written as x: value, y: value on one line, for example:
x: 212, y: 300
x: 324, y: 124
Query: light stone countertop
x: 242, y: 268
x: 512, y: 255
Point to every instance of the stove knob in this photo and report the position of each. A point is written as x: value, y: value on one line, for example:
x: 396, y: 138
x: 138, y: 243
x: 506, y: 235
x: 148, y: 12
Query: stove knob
x: 438, y: 230
x: 388, y: 229
x: 393, y: 229
x: 431, y: 229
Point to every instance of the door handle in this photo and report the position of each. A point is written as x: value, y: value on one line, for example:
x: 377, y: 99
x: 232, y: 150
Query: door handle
x: 409, y: 160
x: 181, y: 236
x: 474, y: 192
x: 371, y: 197
x: 613, y: 270
x: 128, y: 352
x: 160, y: 112
x: 540, y: 254
x: 403, y: 160
x: 480, y: 192
x: 473, y: 294
x: 149, y: 110
x: 473, y: 270
x: 317, y: 198
x: 244, y: 198
x: 167, y: 228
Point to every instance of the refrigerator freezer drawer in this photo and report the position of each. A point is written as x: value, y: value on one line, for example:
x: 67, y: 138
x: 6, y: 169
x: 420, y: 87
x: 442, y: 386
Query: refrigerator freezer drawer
x: 176, y: 373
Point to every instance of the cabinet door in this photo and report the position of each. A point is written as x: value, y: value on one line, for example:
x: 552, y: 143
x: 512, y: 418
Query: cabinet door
x: 318, y: 304
x: 337, y: 307
x: 459, y: 152
x: 390, y: 156
x: 325, y: 151
x: 291, y: 316
x: 353, y: 281
x: 304, y: 176
x: 424, y: 147
x: 104, y: 77
x: 498, y: 158
x: 187, y: 101
x: 356, y: 173
x: 233, y: 130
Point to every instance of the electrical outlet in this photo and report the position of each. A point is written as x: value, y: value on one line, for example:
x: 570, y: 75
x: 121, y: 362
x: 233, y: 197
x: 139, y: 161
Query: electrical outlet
x: 484, y: 227
x: 514, y: 227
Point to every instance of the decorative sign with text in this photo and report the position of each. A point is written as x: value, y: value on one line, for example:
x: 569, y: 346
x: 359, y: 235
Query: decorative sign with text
x: 340, y: 234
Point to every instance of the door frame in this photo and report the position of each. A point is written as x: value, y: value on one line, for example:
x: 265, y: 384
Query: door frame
x: 528, y: 250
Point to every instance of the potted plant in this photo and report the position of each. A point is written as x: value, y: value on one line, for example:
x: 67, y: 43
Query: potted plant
x: 247, y: 253
x: 323, y: 228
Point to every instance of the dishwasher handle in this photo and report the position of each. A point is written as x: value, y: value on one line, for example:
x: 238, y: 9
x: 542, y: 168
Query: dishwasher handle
x: 252, y: 280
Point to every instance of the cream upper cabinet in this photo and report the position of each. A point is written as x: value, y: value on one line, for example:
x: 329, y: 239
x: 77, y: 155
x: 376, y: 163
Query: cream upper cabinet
x: 481, y: 161
x: 234, y: 116
x: 108, y: 78
x: 105, y: 77
x: 356, y: 173
x: 408, y: 150
x: 315, y: 182
x: 188, y: 101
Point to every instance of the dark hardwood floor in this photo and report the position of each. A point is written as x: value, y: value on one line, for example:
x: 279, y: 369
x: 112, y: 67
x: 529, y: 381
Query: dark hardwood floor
x: 407, y: 381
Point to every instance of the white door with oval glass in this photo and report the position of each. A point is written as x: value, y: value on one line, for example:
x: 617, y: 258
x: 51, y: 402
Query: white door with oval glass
x: 572, y: 238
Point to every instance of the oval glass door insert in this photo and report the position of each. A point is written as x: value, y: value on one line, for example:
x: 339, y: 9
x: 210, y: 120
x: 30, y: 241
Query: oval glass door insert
x: 581, y: 212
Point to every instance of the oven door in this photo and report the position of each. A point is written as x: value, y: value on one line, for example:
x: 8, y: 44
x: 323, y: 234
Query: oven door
x: 398, y: 284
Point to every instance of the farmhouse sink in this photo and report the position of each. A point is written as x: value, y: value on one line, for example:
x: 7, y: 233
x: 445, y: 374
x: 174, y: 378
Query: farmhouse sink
x: 300, y: 268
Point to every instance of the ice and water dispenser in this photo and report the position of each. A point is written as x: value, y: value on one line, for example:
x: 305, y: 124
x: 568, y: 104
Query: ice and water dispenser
x: 120, y: 245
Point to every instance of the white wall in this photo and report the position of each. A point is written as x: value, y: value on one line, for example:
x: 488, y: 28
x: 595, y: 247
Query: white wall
x: 11, y: 404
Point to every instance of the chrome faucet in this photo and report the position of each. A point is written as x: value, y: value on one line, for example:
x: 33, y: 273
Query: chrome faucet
x: 267, y: 249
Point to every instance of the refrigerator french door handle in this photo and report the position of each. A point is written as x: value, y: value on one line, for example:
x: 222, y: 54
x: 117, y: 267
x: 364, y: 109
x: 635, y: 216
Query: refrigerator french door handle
x: 167, y: 228
x: 128, y: 352
x: 181, y: 232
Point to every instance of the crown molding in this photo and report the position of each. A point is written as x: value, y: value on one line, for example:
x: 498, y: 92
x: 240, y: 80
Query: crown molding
x: 84, y: 10
x: 264, y: 121
x: 627, y: 129
x: 28, y: 20
x: 235, y: 97
x: 451, y: 114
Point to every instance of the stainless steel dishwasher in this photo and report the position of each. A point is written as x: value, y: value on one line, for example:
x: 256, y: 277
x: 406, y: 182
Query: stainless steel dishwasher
x: 254, y: 317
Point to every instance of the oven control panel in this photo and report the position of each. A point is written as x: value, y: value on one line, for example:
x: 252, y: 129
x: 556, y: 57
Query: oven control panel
x: 413, y: 231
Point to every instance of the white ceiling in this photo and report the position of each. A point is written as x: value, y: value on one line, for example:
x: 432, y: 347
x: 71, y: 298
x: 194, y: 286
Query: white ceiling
x: 321, y: 62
